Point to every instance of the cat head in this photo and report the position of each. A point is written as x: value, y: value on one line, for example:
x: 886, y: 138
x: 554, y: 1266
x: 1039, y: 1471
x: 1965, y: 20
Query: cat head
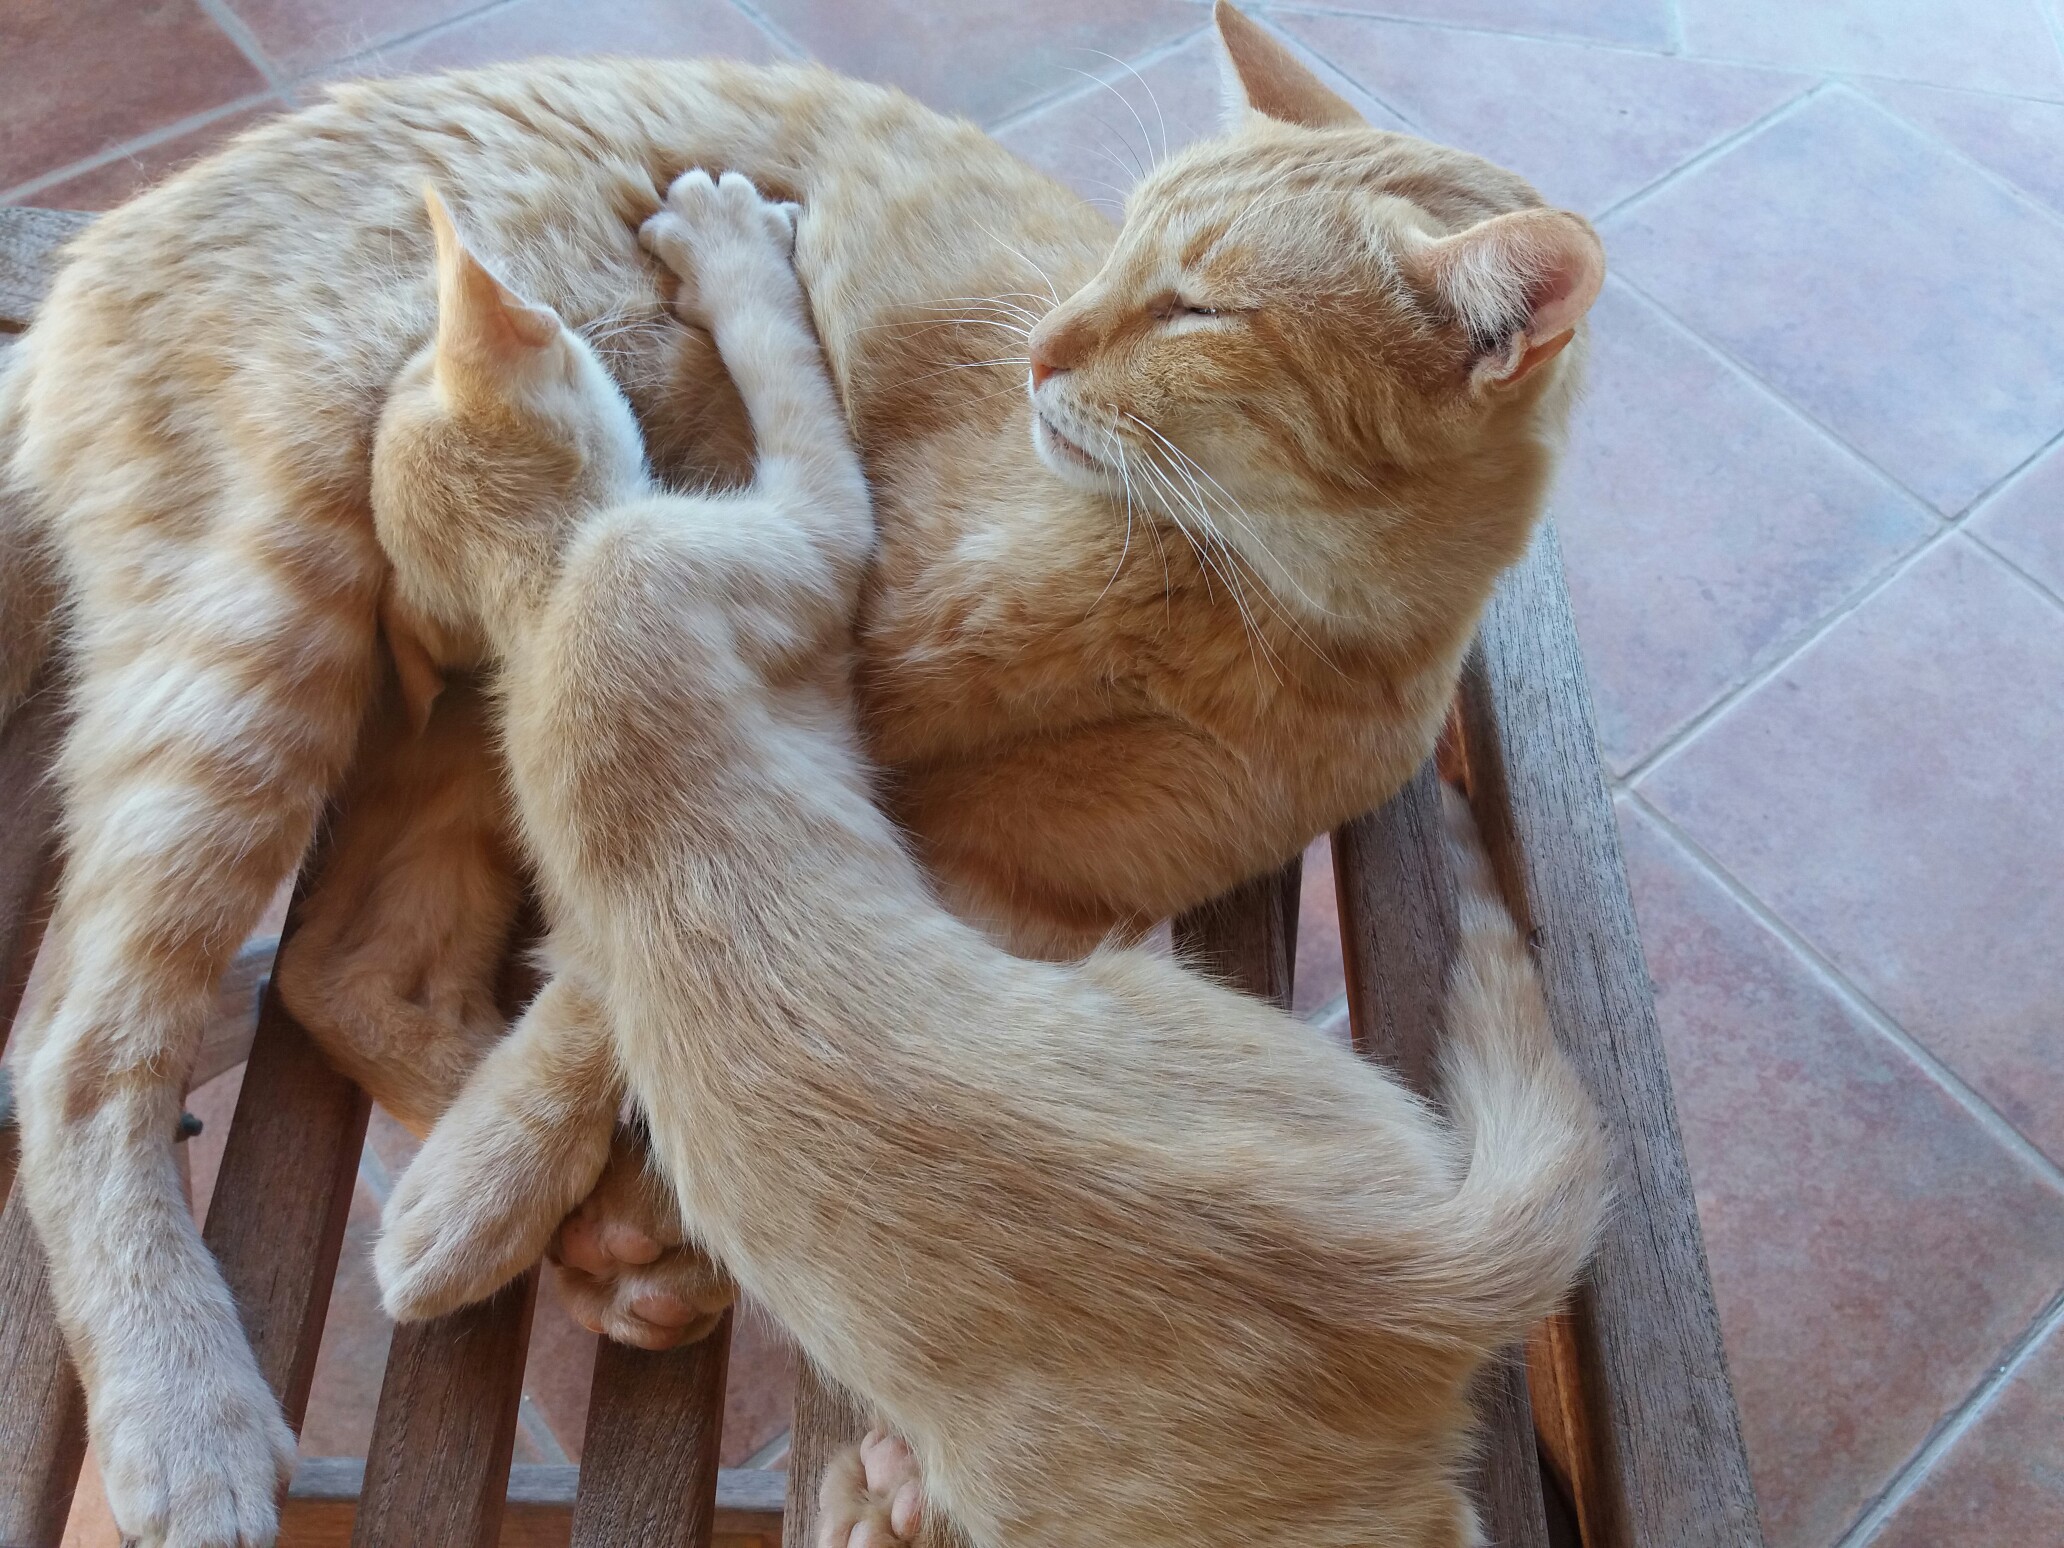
x: 493, y: 440
x: 1338, y: 352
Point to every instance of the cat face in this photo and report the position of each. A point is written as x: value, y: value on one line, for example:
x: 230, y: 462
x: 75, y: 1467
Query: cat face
x: 1302, y: 321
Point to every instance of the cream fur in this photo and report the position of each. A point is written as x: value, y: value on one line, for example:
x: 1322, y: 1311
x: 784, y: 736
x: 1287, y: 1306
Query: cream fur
x: 1124, y: 1256
x: 186, y: 428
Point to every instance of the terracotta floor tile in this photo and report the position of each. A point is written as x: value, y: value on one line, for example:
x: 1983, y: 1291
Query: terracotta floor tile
x: 759, y: 1393
x: 560, y: 1369
x: 535, y: 27
x: 2025, y: 520
x: 1872, y: 1246
x: 2019, y: 139
x: 1642, y: 23
x: 1321, y: 975
x: 301, y: 36
x: 985, y: 59
x: 1099, y: 140
x: 1832, y: 251
x: 353, y: 1358
x: 1894, y: 795
x: 1588, y: 126
x: 105, y: 186
x: 1705, y: 526
x: 2003, y: 1479
x: 1990, y: 45
x: 77, y: 76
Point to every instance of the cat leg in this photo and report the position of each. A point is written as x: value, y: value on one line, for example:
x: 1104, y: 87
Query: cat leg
x: 218, y: 692
x: 525, y: 1140
x: 871, y: 1495
x: 394, y: 965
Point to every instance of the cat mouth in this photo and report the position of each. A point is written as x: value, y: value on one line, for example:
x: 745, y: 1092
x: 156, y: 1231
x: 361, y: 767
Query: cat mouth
x: 1068, y: 449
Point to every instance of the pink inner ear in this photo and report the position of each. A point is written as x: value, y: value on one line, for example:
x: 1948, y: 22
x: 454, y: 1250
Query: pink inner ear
x: 1565, y: 288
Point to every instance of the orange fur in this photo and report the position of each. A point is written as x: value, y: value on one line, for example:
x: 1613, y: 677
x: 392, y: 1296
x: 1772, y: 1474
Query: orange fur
x: 1091, y: 712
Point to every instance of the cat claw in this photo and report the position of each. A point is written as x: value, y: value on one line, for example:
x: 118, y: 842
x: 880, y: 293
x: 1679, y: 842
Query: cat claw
x: 872, y: 1495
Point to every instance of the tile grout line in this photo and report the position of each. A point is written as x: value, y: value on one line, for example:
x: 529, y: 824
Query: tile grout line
x: 1692, y: 729
x: 328, y: 69
x: 775, y: 33
x: 1616, y: 46
x: 1908, y: 1477
x: 1017, y: 117
x: 1998, y: 180
x: 1718, y: 148
x: 246, y: 41
x: 540, y: 1432
x: 142, y: 142
x: 1832, y: 978
x: 1978, y: 541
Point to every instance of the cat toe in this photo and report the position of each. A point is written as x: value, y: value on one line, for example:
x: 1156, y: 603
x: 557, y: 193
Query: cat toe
x: 871, y: 1496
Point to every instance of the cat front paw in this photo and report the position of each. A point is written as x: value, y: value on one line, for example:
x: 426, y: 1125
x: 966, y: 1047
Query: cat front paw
x: 717, y: 234
x: 871, y: 1496
x: 193, y: 1450
x: 625, y: 1268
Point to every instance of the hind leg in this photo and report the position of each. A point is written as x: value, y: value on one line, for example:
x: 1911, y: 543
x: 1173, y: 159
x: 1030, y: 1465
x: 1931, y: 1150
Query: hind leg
x: 220, y: 683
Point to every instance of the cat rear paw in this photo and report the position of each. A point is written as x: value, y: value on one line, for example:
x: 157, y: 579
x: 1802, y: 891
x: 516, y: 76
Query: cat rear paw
x: 871, y: 1497
x: 626, y: 1269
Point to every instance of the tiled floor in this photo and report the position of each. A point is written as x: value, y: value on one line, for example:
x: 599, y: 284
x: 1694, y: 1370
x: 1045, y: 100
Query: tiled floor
x: 1815, y: 524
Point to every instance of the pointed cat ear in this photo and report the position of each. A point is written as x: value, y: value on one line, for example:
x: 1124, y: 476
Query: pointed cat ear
x: 480, y: 321
x: 1520, y: 283
x: 1262, y: 76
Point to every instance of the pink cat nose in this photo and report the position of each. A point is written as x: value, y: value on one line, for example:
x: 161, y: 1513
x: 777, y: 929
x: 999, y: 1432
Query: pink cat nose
x: 1043, y: 366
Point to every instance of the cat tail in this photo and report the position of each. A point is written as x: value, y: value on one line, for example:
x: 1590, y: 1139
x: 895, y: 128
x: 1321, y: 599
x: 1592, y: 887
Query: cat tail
x: 28, y: 572
x: 1514, y: 1236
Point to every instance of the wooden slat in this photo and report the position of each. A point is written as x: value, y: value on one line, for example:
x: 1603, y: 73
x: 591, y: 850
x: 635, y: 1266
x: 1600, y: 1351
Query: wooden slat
x: 537, y: 1513
x: 827, y: 1420
x: 1248, y: 937
x: 1667, y: 1463
x: 655, y: 1422
x: 1398, y: 935
x: 283, y: 1193
x: 42, y: 1410
x: 437, y: 1469
x: 29, y: 244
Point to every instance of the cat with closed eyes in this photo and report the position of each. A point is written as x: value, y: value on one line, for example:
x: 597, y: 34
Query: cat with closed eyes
x: 1203, y: 592
x: 1119, y: 1255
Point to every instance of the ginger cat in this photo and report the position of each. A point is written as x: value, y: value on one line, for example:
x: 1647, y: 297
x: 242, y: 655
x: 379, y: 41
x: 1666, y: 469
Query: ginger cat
x: 1123, y: 1257
x: 1291, y: 421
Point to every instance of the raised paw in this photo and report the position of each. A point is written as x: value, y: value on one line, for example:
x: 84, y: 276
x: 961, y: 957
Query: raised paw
x: 717, y: 233
x: 194, y: 1455
x: 872, y: 1495
x: 625, y: 1267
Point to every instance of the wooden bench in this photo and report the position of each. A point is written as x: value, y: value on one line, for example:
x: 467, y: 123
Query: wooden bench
x: 1625, y: 1398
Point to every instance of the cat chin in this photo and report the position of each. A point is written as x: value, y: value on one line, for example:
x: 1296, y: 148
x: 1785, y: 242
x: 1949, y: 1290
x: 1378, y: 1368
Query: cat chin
x: 1068, y: 460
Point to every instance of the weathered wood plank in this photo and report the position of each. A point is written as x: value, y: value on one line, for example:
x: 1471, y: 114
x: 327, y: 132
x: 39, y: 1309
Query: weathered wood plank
x: 827, y: 1419
x: 42, y: 1409
x: 437, y: 1469
x: 655, y: 1422
x: 1668, y: 1464
x: 30, y: 240
x: 1398, y: 935
x: 283, y: 1193
x: 537, y: 1512
x: 1248, y: 937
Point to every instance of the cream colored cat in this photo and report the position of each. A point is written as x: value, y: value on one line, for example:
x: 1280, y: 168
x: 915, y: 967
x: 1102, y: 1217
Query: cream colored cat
x: 1169, y: 675
x: 1124, y: 1257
